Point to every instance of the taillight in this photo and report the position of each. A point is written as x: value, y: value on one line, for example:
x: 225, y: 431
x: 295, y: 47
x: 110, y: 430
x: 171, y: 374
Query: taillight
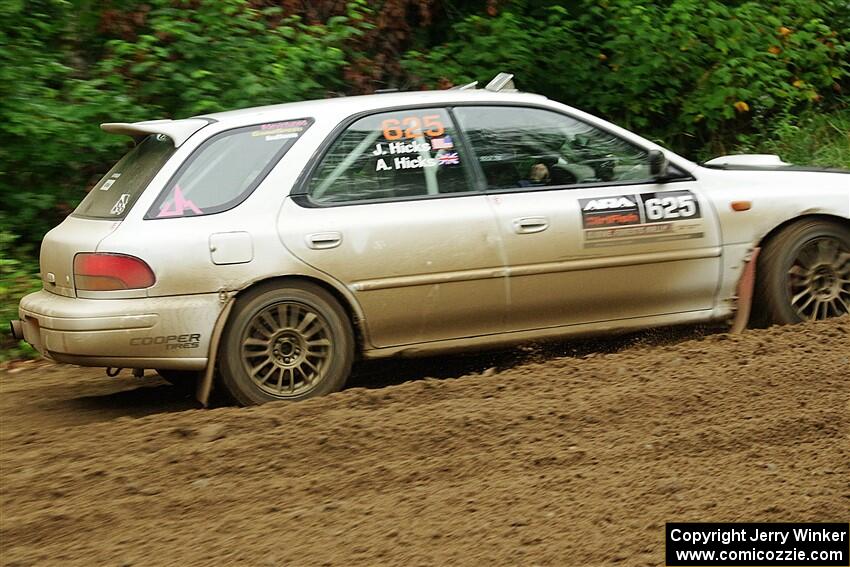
x: 110, y: 272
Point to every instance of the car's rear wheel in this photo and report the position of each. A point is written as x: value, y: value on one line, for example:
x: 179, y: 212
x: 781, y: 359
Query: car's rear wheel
x: 803, y: 273
x: 286, y: 343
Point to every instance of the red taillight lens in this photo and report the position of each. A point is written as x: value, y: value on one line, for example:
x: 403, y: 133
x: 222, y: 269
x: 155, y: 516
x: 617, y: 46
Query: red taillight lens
x: 110, y: 272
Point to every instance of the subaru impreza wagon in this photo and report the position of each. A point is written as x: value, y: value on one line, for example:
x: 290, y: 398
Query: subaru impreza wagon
x: 264, y: 250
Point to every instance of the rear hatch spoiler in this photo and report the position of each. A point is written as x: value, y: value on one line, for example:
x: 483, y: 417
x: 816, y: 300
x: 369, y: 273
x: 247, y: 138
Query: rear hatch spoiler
x: 177, y: 130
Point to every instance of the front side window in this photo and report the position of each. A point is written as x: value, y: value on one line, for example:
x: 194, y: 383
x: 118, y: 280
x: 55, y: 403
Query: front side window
x: 225, y: 169
x: 117, y: 191
x: 392, y: 155
x: 528, y: 147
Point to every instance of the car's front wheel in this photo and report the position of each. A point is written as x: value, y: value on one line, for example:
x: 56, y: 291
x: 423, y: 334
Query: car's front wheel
x: 803, y: 273
x: 286, y: 343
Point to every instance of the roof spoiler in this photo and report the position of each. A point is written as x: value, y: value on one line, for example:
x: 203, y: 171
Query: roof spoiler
x: 177, y: 130
x: 503, y: 82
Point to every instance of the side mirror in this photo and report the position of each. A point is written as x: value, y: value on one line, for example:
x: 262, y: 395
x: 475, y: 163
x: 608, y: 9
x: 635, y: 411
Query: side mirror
x: 580, y: 141
x: 657, y: 164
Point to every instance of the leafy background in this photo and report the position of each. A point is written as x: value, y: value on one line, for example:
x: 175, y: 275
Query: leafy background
x: 703, y: 77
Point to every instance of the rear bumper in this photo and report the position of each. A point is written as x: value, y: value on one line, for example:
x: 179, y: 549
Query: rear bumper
x: 152, y: 332
x: 17, y: 330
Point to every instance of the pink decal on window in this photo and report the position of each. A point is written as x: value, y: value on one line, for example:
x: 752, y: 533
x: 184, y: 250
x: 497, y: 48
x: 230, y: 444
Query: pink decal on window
x: 180, y: 204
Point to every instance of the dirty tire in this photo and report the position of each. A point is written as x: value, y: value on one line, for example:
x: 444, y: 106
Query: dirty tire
x: 285, y: 342
x: 803, y: 273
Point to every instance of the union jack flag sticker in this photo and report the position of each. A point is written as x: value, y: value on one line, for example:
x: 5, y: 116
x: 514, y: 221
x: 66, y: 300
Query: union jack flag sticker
x: 449, y: 158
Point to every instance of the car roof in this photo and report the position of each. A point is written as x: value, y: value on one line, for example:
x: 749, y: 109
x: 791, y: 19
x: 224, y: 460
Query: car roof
x: 348, y: 105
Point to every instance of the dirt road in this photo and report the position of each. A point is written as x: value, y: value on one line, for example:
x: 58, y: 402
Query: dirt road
x: 541, y: 460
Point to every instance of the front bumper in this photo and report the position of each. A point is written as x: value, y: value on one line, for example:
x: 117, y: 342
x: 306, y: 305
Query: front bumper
x: 152, y: 332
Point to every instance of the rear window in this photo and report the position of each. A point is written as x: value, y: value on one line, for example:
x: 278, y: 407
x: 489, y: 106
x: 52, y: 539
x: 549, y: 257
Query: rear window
x: 117, y: 191
x: 226, y: 169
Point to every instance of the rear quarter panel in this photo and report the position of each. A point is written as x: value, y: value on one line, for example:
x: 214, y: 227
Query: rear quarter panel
x: 181, y: 250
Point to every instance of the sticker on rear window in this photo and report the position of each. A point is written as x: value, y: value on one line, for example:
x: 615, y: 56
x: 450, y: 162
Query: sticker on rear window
x: 110, y: 182
x: 177, y: 204
x: 281, y: 130
x: 120, y: 204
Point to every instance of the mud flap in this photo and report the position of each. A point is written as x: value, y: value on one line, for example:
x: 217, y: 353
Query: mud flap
x: 205, y: 383
x: 744, y: 294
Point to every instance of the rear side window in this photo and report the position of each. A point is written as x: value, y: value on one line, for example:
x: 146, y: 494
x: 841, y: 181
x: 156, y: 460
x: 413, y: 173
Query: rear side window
x: 227, y: 168
x: 392, y: 155
x: 530, y: 147
x: 114, y: 195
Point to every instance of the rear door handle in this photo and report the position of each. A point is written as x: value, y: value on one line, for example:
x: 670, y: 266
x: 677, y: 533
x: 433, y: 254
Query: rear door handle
x: 324, y: 240
x: 530, y: 225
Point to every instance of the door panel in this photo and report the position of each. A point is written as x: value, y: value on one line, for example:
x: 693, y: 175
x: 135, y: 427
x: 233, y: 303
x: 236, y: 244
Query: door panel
x: 388, y: 212
x: 589, y: 235
x: 600, y: 258
x: 421, y: 270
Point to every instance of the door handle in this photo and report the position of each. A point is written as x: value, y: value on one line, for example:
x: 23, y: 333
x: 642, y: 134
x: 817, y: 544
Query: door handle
x: 324, y: 240
x: 530, y: 225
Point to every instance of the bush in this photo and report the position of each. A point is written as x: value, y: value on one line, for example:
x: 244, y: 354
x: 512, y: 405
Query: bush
x: 64, y: 70
x: 690, y: 73
x: 17, y: 278
x: 816, y: 139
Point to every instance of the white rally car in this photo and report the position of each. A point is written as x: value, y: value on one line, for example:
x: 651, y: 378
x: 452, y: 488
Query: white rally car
x: 266, y: 249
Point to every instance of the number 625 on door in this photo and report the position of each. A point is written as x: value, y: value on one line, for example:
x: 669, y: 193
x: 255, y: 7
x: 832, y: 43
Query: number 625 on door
x: 670, y: 205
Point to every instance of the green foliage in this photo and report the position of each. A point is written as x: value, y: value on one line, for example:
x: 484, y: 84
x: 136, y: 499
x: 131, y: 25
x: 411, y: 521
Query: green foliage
x: 17, y: 278
x: 691, y: 73
x: 49, y: 136
x: 61, y: 76
x: 816, y: 139
x: 225, y: 54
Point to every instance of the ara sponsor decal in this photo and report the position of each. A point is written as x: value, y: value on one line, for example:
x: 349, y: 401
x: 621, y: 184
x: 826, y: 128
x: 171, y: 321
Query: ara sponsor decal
x: 634, y: 219
x: 620, y: 210
x: 120, y: 204
x: 171, y: 342
x: 609, y: 203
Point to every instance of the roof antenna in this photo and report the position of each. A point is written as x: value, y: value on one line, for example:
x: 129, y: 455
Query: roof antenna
x: 501, y: 82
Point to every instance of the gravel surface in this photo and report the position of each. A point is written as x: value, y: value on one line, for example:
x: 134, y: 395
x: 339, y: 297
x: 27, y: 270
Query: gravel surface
x: 575, y: 455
